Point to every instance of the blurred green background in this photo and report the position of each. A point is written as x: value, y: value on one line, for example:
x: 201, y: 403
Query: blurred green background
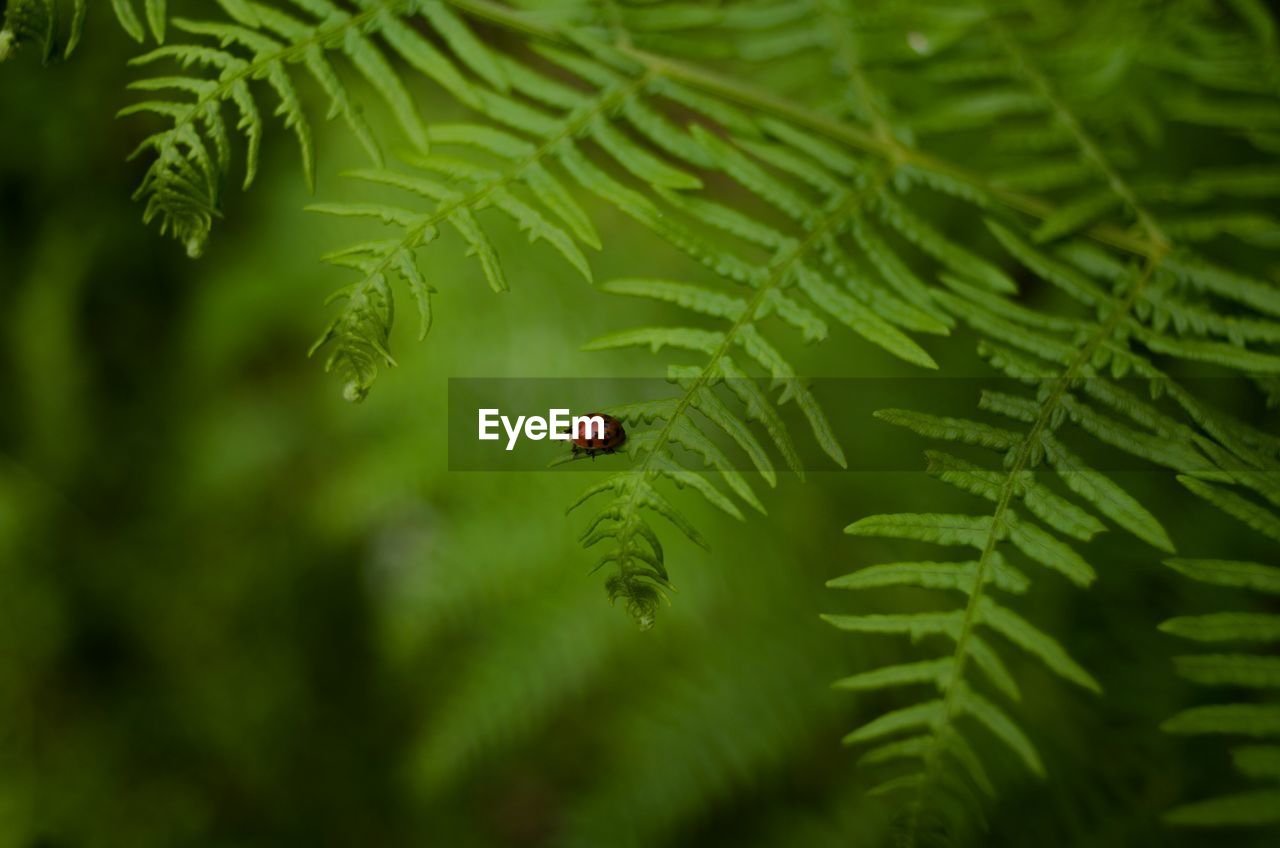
x: 235, y: 610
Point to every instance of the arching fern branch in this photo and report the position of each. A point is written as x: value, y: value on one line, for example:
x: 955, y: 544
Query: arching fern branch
x: 182, y: 187
x: 949, y: 771
x: 521, y: 168
x: 184, y: 183
x: 1071, y: 364
x: 549, y: 127
x: 364, y: 29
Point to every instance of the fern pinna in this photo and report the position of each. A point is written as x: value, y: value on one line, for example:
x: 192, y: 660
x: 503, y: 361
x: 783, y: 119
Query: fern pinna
x: 1256, y: 676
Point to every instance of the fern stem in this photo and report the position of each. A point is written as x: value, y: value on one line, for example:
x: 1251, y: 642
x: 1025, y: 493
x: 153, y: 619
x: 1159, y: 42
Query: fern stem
x: 890, y: 150
x: 1008, y: 488
x: 835, y: 13
x: 765, y: 102
x: 1083, y: 139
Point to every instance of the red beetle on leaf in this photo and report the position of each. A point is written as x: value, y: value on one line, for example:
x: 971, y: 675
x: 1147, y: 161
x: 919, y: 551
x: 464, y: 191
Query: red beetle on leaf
x: 587, y: 440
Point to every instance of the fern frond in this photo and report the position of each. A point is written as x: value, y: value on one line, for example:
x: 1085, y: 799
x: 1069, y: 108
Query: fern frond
x: 523, y: 168
x: 939, y: 723
x: 636, y: 555
x: 261, y: 44
x: 544, y: 119
x: 1063, y: 360
x: 832, y: 225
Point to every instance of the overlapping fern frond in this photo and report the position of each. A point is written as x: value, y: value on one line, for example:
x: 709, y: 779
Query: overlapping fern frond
x: 614, y: 109
x: 524, y: 164
x: 1236, y: 665
x: 809, y: 275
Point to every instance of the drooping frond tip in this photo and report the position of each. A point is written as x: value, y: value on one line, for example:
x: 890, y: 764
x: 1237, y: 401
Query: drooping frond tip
x: 227, y: 62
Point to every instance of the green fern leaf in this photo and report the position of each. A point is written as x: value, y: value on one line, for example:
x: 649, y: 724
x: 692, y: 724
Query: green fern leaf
x: 1243, y: 575
x: 1255, y: 515
x: 1245, y: 808
x: 1225, y: 627
x: 181, y: 187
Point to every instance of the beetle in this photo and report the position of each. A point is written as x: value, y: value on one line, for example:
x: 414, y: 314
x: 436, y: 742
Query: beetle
x: 612, y: 439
